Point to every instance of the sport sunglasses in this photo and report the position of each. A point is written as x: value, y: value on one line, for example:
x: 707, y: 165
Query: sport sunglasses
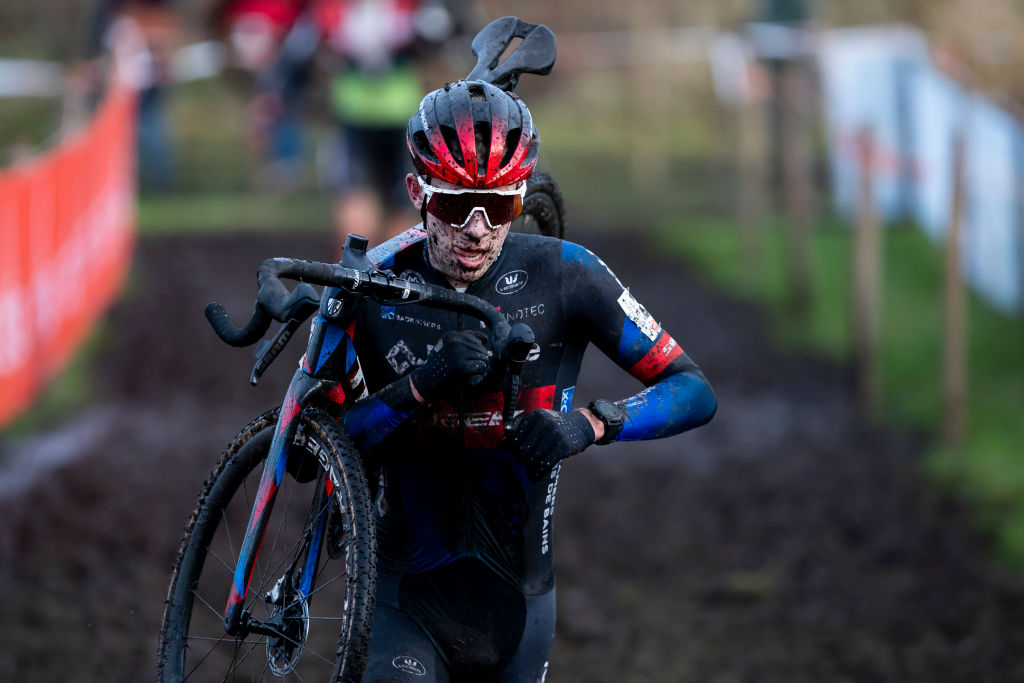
x: 456, y: 206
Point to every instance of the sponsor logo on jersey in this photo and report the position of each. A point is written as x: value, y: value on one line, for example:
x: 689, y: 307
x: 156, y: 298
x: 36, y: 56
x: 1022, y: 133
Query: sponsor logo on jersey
x: 389, y: 313
x: 511, y: 282
x: 639, y: 315
x: 566, y: 405
x: 482, y: 424
x: 549, y: 509
x: 534, y: 353
x: 486, y: 418
x: 409, y: 665
x: 524, y: 312
x: 401, y: 359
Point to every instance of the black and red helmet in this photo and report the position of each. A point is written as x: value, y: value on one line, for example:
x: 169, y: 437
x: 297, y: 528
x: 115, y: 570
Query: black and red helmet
x: 444, y: 132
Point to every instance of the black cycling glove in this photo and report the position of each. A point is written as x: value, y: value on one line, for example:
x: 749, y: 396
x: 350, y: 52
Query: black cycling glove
x: 547, y: 437
x: 459, y: 358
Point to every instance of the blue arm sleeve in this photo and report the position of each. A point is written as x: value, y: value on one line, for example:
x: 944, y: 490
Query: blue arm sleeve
x: 675, y: 404
x: 678, y: 396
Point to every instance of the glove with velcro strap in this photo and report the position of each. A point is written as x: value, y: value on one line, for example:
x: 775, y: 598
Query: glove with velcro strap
x: 459, y: 358
x: 546, y: 437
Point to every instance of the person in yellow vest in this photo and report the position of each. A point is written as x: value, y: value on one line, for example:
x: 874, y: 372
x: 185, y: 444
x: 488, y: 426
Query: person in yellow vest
x: 372, y: 49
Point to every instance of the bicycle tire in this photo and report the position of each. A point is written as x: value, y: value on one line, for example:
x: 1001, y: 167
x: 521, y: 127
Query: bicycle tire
x: 543, y: 207
x: 193, y: 643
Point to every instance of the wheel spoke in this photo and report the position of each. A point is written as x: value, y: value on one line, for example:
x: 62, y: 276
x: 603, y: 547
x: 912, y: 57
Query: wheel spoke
x: 215, y: 642
x: 214, y: 611
x: 326, y: 584
x: 238, y: 662
x: 227, y: 532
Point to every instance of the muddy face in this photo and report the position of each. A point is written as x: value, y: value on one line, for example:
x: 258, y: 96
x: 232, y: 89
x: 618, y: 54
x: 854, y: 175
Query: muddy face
x: 464, y: 255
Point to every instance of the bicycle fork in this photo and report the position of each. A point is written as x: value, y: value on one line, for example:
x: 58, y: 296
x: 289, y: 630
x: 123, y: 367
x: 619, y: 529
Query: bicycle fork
x: 236, y: 621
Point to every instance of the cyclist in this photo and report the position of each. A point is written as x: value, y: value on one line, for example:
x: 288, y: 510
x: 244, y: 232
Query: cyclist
x: 466, y: 583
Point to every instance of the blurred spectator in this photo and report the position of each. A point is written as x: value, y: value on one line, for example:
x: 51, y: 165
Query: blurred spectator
x: 255, y: 31
x: 142, y: 34
x: 371, y: 51
x: 374, y: 87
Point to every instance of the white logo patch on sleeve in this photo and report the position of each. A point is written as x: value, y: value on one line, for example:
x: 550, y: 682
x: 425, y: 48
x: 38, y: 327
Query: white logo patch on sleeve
x: 639, y: 315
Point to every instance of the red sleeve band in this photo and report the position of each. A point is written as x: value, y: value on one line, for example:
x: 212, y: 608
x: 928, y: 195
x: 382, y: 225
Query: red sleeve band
x: 664, y: 351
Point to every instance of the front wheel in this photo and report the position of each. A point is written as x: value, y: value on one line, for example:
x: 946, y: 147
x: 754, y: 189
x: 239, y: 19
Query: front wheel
x: 313, y: 581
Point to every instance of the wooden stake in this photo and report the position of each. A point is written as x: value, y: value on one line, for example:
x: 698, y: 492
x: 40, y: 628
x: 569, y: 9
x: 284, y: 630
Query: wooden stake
x: 866, y: 284
x: 954, y: 371
x: 751, y: 153
x: 797, y: 188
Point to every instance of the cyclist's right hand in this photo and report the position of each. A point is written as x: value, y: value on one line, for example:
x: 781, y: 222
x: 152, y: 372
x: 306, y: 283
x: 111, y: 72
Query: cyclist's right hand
x: 458, y: 358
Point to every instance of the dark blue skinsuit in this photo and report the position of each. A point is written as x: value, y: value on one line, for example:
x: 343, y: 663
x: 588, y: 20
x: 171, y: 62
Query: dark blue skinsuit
x: 466, y: 583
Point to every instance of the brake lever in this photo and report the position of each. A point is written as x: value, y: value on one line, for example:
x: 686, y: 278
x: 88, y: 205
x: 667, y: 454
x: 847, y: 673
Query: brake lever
x: 267, y: 350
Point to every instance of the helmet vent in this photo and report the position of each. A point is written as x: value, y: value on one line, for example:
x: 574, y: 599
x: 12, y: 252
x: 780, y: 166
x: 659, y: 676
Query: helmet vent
x: 476, y: 93
x: 482, y: 135
x: 511, y: 142
x: 423, y: 146
x: 451, y: 139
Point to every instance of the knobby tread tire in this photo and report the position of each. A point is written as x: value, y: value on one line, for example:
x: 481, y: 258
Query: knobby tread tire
x: 545, y: 204
x: 354, y: 639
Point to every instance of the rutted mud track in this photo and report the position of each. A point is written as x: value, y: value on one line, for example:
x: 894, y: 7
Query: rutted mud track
x: 783, y: 542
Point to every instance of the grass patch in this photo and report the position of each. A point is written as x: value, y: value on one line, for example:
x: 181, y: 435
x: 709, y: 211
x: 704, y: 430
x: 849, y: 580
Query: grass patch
x: 225, y: 211
x: 988, y: 470
x: 27, y: 124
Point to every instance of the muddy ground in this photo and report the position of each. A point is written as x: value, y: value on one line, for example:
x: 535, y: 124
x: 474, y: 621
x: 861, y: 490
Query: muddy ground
x: 783, y: 542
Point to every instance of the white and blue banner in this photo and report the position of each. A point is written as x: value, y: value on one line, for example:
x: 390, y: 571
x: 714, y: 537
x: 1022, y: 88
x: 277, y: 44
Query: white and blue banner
x: 862, y: 72
x: 882, y: 79
x: 937, y: 108
x: 991, y: 240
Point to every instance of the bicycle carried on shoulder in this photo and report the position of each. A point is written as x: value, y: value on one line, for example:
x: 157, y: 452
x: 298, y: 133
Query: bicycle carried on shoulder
x: 287, y: 533
x: 275, y: 574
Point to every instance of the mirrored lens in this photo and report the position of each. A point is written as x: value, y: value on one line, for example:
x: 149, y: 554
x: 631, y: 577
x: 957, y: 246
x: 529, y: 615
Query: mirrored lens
x: 456, y: 209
